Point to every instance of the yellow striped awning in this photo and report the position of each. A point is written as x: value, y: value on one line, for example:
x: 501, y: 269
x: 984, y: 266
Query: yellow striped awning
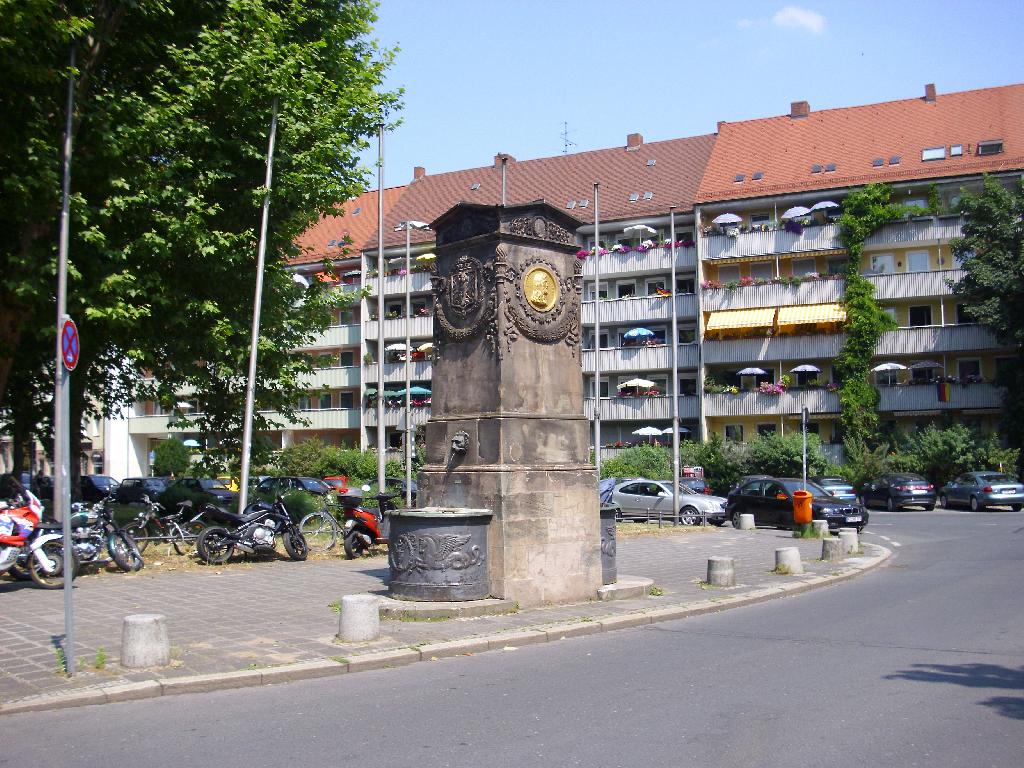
x: 761, y: 317
x: 812, y: 313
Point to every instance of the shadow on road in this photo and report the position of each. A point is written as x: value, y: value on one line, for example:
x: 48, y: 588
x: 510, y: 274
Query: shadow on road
x: 974, y: 676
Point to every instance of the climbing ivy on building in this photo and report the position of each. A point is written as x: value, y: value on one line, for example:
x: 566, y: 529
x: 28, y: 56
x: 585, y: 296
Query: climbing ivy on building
x: 864, y: 211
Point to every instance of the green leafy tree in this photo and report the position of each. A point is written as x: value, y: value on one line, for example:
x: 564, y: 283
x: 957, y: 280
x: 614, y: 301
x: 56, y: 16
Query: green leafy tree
x: 863, y: 462
x: 304, y: 458
x: 724, y: 463
x: 171, y: 457
x: 641, y: 461
x: 992, y: 253
x: 782, y: 455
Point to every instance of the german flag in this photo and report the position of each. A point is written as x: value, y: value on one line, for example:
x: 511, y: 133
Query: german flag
x: 943, y: 390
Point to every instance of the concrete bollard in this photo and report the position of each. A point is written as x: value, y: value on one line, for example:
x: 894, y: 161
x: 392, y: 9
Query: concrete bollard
x: 820, y: 528
x: 721, y: 572
x: 832, y: 550
x: 747, y: 522
x: 851, y: 544
x: 360, y: 618
x: 144, y: 641
x: 787, y: 560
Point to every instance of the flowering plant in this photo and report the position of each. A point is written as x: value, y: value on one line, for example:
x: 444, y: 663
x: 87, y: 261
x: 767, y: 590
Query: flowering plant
x: 794, y: 227
x: 767, y: 388
x: 832, y: 387
x: 746, y: 281
x: 582, y: 253
x: 708, y: 285
x: 619, y: 248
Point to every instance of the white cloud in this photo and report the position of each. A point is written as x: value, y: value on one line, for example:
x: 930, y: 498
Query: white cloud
x: 792, y: 16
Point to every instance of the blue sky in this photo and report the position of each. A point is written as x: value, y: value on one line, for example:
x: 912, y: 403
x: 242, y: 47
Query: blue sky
x: 483, y: 77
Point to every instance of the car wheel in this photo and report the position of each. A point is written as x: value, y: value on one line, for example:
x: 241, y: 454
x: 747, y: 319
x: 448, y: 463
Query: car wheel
x: 929, y: 507
x: 943, y: 501
x: 1015, y: 507
x: 689, y: 516
x: 975, y: 506
x: 864, y: 502
x: 736, y: 519
x: 890, y: 504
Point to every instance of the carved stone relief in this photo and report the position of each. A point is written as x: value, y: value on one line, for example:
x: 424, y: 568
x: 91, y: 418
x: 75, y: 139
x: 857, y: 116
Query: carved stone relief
x: 465, y: 303
x: 433, y: 552
x: 540, y: 227
x: 537, y: 302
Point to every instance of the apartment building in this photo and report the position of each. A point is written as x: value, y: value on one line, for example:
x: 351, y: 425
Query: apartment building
x: 755, y: 293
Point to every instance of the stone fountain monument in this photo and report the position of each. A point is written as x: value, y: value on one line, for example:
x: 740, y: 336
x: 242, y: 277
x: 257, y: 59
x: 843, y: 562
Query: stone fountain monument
x: 507, y: 431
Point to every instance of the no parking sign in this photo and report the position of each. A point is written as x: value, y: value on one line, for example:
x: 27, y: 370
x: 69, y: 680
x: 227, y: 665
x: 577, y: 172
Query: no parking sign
x: 69, y: 344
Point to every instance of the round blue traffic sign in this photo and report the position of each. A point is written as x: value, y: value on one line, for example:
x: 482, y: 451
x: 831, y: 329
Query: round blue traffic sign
x: 69, y: 344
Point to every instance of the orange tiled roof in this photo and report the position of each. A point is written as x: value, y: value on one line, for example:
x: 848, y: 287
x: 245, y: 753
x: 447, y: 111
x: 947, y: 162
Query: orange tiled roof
x: 785, y: 148
x: 672, y: 179
x: 357, y: 220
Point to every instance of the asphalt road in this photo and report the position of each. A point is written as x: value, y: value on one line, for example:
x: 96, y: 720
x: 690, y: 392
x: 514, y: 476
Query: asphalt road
x: 919, y: 663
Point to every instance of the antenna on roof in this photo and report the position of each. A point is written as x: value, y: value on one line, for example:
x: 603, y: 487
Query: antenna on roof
x: 566, y: 141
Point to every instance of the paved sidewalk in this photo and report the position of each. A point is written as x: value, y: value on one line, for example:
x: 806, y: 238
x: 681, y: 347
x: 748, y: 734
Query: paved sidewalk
x: 258, y: 616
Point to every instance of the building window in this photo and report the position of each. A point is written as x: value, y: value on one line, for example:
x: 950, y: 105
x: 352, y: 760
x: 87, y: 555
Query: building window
x: 625, y: 290
x: 346, y: 400
x: 881, y: 263
x: 968, y: 370
x: 933, y: 153
x: 729, y: 274
x: 734, y: 433
x: 961, y: 315
x: 766, y: 429
x: 346, y: 358
x: 687, y: 335
x: 588, y: 340
x: 347, y: 317
x: 688, y: 387
x: 604, y: 387
x: 602, y: 291
x: 960, y: 256
x: 655, y: 286
x: 304, y: 403
x: 325, y: 402
x: 917, y: 202
x: 956, y: 150
x: 837, y: 266
x: 918, y: 261
x: 762, y: 270
x: 686, y: 285
x: 990, y: 147
x: 890, y: 311
x: 760, y: 220
x: 802, y: 267
x: 919, y: 316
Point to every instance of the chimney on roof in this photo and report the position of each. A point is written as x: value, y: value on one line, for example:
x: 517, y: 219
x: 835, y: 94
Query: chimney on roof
x: 503, y: 155
x: 720, y: 124
x: 929, y: 92
x: 418, y: 172
x: 633, y: 141
x: 799, y: 109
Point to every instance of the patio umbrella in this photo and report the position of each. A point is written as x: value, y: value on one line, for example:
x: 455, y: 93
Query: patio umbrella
x: 647, y: 431
x: 418, y: 391
x: 641, y: 230
x: 398, y: 347
x: 752, y: 372
x: 924, y: 365
x: 644, y: 383
x: 636, y: 333
x: 426, y: 257
x: 425, y: 347
x: 805, y: 368
x: 889, y: 367
x: 351, y: 273
x: 727, y: 218
x: 823, y: 205
x: 796, y: 210
x: 191, y: 443
x: 668, y: 430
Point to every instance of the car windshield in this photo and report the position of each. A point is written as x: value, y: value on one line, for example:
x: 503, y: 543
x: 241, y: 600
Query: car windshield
x: 832, y: 481
x: 156, y: 483
x: 797, y: 485
x: 993, y: 477
x: 908, y: 479
x: 313, y: 485
x: 210, y: 484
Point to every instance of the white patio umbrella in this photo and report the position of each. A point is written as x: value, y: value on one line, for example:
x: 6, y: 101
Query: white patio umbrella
x: 646, y: 384
x: 397, y: 347
x: 426, y: 257
x: 796, y: 210
x: 191, y: 443
x: 647, y: 431
x: 641, y: 229
x: 753, y: 372
x: 924, y: 365
x: 425, y: 347
x: 668, y: 430
x: 727, y: 218
x: 889, y: 367
x: 823, y: 205
x: 805, y: 368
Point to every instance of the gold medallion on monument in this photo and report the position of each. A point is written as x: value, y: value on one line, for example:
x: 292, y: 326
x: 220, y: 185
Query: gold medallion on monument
x: 540, y: 288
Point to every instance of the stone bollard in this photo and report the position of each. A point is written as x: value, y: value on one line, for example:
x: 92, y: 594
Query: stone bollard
x: 360, y: 618
x: 787, y: 560
x: 820, y: 528
x: 144, y: 641
x: 721, y: 572
x: 747, y: 522
x: 851, y: 544
x: 832, y: 550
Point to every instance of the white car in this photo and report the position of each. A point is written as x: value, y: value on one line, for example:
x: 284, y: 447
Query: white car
x: 642, y: 499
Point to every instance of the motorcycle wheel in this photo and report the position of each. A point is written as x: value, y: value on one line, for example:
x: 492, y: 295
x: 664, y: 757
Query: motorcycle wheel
x: 140, y: 535
x: 354, y: 545
x: 125, y: 551
x: 214, y: 545
x: 319, y: 530
x: 18, y: 573
x: 183, y: 537
x: 50, y: 578
x: 295, y: 544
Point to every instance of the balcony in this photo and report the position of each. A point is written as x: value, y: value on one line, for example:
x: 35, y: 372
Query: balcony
x: 641, y: 358
x: 654, y: 260
x: 327, y: 418
x: 642, y: 408
x: 814, y: 238
x: 923, y: 230
x: 935, y: 339
x: 773, y: 348
x: 910, y: 285
x: 336, y: 336
x: 394, y: 328
x: 150, y: 425
x: 640, y: 309
x: 333, y: 378
x: 822, y: 291
x: 759, y: 404
x: 395, y: 284
x: 925, y: 397
x: 395, y: 372
x: 392, y: 416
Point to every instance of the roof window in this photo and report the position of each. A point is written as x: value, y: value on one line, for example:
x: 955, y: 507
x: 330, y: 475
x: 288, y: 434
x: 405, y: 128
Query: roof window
x: 739, y: 177
x: 650, y: 162
x: 356, y: 211
x: 571, y: 204
x: 474, y: 186
x: 584, y: 202
x: 990, y: 147
x: 956, y: 150
x: 933, y: 153
x: 878, y: 162
x: 815, y: 169
x: 331, y: 242
x: 648, y: 195
x: 634, y: 196
x: 830, y: 168
x: 758, y: 175
x: 895, y: 160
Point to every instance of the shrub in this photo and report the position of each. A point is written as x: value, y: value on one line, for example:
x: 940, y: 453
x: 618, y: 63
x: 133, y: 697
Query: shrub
x: 643, y: 461
x: 171, y: 457
x: 782, y: 455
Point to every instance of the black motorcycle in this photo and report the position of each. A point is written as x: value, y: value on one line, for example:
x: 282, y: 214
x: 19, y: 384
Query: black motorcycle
x: 255, y: 532
x: 93, y: 528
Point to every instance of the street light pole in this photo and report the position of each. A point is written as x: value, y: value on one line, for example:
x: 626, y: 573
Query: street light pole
x: 597, y: 328
x: 380, y: 310
x: 408, y: 226
x: 675, y: 374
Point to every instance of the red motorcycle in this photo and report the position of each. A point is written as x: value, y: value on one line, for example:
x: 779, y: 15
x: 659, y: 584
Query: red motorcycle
x: 364, y: 528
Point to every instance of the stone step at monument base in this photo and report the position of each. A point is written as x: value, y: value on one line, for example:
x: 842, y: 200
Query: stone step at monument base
x: 415, y: 610
x: 625, y: 588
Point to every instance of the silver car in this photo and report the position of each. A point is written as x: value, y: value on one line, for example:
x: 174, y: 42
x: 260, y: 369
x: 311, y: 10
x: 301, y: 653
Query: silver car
x: 836, y: 486
x: 641, y: 499
x: 979, y: 490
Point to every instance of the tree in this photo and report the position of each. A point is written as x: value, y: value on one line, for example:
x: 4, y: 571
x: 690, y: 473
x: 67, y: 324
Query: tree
x: 992, y: 254
x: 647, y: 461
x: 724, y: 463
x: 173, y: 106
x: 171, y: 457
x: 782, y: 455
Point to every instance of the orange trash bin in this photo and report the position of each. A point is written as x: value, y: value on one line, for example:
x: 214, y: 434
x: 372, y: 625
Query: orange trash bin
x: 802, y: 507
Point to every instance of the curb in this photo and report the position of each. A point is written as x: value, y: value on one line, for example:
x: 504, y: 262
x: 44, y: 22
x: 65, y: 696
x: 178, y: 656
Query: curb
x: 398, y: 657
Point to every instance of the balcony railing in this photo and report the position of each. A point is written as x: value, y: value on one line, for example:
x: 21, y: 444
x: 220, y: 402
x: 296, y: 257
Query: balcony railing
x: 395, y: 372
x: 327, y: 418
x: 934, y: 339
x: 336, y: 336
x: 393, y: 416
x: 640, y: 309
x: 395, y: 284
x: 333, y: 378
x: 759, y: 404
x: 925, y: 397
x: 773, y: 348
x: 641, y: 358
x: 654, y: 260
x: 913, y: 284
x: 642, y: 408
x: 813, y: 238
x: 394, y: 328
x: 821, y: 291
x: 919, y: 231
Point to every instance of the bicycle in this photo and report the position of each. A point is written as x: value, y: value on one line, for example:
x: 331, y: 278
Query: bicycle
x: 171, y: 528
x: 321, y: 529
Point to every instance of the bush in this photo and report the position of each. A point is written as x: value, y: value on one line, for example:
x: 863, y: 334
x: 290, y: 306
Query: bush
x: 782, y: 456
x: 642, y: 461
x: 175, y: 494
x: 723, y: 462
x: 302, y: 459
x: 171, y: 457
x: 300, y: 503
x: 862, y: 463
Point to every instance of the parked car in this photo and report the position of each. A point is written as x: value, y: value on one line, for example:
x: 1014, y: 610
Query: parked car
x: 836, y: 486
x: 338, y: 483
x: 979, y: 490
x: 770, y: 501
x: 696, y: 484
x: 898, y: 490
x: 132, y: 489
x: 273, y: 486
x: 642, y: 499
x: 210, y: 486
x: 97, y: 487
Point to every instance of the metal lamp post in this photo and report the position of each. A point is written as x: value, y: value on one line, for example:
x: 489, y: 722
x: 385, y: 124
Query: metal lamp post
x: 408, y: 226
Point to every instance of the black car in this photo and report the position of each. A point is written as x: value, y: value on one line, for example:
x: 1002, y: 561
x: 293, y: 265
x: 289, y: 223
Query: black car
x: 209, y: 486
x: 97, y: 487
x: 274, y: 486
x: 132, y: 489
x: 770, y: 501
x: 897, y: 491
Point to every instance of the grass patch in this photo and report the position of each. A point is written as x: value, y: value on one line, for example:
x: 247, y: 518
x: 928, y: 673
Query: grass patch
x: 339, y: 659
x: 781, y: 570
x: 655, y: 591
x: 100, y: 660
x: 626, y: 530
x: 414, y: 617
x: 808, y: 532
x: 335, y: 606
x: 62, y: 661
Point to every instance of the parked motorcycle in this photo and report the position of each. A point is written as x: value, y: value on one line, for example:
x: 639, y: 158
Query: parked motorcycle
x: 93, y: 528
x: 30, y: 548
x: 365, y: 527
x: 255, y: 532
